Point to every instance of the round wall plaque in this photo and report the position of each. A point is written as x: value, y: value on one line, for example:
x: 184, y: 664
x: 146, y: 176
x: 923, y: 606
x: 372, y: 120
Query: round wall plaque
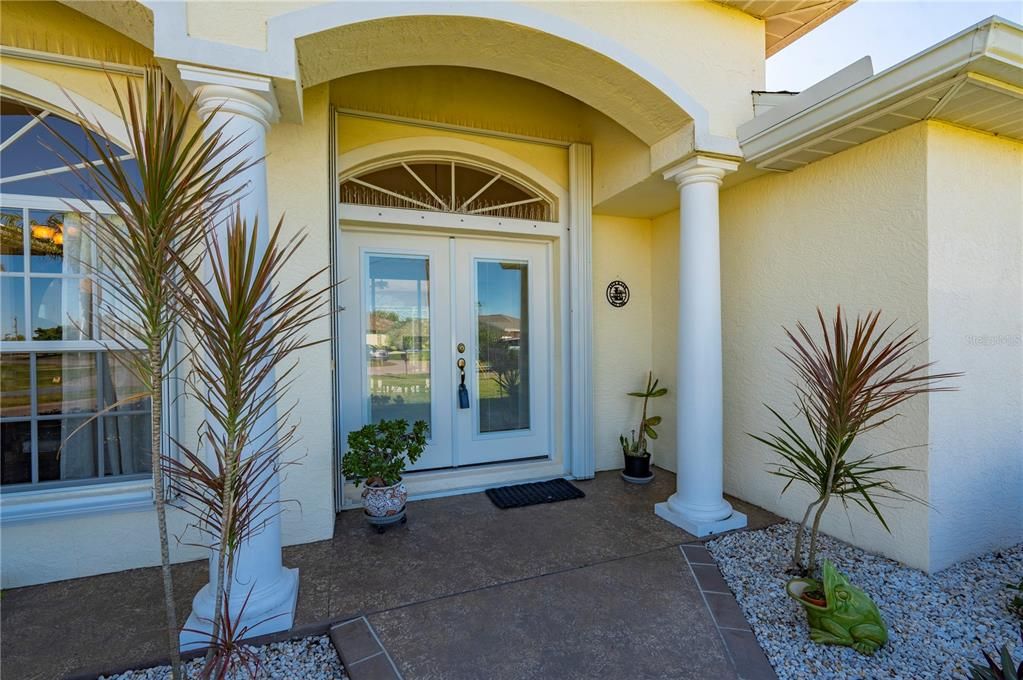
x: 617, y: 293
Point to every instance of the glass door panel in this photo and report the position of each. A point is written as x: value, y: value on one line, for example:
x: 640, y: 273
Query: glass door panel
x: 395, y: 330
x: 398, y: 337
x: 502, y: 314
x: 502, y: 341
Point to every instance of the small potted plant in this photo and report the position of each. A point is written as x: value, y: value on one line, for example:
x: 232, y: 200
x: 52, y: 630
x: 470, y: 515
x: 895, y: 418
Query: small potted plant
x: 377, y: 455
x: 838, y: 612
x: 634, y: 447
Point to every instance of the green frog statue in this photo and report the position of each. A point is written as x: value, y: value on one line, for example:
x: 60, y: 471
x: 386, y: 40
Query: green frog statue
x: 848, y: 616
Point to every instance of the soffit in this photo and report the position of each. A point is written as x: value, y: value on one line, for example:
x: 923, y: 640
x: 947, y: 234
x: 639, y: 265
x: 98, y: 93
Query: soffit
x: 785, y: 21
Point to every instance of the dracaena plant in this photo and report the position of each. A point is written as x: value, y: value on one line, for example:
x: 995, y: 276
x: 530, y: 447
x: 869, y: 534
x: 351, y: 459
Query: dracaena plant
x: 849, y: 381
x: 148, y: 231
x: 377, y: 453
x: 246, y: 329
x: 636, y: 444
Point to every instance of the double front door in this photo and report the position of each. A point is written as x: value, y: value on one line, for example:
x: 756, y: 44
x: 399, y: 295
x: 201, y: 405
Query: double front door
x: 451, y: 330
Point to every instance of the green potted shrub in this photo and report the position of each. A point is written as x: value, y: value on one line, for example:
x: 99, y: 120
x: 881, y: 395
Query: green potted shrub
x: 634, y: 447
x: 377, y: 456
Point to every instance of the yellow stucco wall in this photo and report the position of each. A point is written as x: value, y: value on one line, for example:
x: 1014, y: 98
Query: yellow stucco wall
x: 299, y: 190
x: 491, y: 101
x: 718, y: 72
x: 44, y: 26
x: 621, y: 340
x: 851, y: 230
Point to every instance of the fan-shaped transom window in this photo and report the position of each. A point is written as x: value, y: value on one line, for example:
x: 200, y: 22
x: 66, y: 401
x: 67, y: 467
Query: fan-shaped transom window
x: 30, y: 153
x: 447, y: 186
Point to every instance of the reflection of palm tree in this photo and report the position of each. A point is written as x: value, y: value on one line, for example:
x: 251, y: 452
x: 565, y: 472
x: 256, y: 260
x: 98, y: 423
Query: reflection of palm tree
x: 10, y: 234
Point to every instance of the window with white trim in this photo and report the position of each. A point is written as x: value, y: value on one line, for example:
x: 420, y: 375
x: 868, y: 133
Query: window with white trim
x: 451, y: 186
x: 58, y: 380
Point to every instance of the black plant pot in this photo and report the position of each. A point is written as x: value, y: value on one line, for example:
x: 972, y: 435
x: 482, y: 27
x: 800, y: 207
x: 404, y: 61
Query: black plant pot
x: 637, y: 469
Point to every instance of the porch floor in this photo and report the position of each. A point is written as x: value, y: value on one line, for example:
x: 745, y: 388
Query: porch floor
x: 595, y: 587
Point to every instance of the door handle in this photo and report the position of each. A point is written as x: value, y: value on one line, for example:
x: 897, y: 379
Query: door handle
x: 463, y: 391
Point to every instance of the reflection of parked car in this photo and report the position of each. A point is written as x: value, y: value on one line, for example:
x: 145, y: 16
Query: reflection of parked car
x: 377, y: 352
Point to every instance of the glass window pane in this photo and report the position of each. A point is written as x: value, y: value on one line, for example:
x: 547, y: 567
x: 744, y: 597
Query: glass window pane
x: 58, y: 242
x: 61, y: 308
x: 45, y: 246
x: 67, y: 449
x: 15, y: 386
x: 12, y: 308
x: 122, y: 390
x: 66, y: 382
x: 12, y: 244
x: 398, y: 337
x: 126, y: 445
x: 15, y: 453
x: 503, y: 342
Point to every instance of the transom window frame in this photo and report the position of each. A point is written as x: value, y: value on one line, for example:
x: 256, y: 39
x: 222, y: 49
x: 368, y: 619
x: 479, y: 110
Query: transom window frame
x: 412, y: 150
x: 58, y: 497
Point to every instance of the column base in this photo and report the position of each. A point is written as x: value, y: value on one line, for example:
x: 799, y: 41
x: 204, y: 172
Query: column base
x: 700, y: 527
x: 261, y: 617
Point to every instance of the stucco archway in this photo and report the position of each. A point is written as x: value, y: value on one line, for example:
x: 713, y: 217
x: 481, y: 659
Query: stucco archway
x: 332, y: 41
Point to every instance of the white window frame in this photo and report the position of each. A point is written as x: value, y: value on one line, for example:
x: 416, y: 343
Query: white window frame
x: 35, y: 500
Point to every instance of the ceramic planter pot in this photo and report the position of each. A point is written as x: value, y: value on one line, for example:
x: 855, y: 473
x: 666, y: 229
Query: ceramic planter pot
x: 847, y: 616
x: 637, y: 469
x: 385, y: 502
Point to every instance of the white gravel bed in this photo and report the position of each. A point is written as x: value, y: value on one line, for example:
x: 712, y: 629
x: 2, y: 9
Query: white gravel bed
x: 311, y: 658
x: 938, y: 625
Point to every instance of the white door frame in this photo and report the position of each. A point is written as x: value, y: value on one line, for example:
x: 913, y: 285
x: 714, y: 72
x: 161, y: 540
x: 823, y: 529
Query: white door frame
x: 573, y: 234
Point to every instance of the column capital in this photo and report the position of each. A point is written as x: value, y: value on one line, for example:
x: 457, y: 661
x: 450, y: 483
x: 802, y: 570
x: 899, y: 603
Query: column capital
x: 237, y: 93
x: 700, y: 169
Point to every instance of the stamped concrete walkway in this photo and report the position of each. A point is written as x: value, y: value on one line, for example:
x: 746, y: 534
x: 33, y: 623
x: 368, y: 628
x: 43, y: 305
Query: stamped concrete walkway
x: 594, y: 587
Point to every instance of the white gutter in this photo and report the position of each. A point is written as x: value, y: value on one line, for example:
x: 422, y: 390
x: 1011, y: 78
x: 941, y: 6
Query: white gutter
x: 992, y: 48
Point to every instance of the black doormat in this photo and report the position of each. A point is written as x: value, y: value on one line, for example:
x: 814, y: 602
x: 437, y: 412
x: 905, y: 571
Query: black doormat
x: 521, y: 495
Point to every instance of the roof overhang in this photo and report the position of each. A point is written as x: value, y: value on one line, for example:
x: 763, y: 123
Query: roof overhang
x: 785, y: 21
x: 973, y: 79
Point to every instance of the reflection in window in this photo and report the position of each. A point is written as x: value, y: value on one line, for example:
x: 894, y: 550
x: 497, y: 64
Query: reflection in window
x: 398, y: 337
x: 54, y: 384
x: 502, y: 321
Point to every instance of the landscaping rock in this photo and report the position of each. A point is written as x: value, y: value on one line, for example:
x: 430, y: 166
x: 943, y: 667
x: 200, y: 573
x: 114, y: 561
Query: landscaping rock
x: 938, y: 624
x: 311, y: 658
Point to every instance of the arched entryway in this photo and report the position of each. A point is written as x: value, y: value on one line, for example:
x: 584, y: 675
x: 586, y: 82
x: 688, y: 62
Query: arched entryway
x: 453, y: 255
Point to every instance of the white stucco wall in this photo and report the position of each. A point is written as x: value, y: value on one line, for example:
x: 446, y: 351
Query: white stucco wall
x: 975, y: 254
x: 621, y: 341
x: 850, y: 229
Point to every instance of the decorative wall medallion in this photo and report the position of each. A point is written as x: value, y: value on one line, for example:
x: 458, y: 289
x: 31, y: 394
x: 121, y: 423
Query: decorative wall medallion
x: 617, y: 293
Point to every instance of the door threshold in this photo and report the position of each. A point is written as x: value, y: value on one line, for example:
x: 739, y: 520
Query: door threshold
x: 457, y: 481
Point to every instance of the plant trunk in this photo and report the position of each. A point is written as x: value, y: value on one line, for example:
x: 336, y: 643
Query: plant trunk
x: 156, y: 432
x: 225, y: 566
x: 641, y: 443
x: 811, y: 558
x: 797, y: 553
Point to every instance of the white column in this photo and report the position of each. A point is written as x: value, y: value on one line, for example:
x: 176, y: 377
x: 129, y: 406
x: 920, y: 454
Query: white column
x: 698, y: 504
x: 245, y: 107
x: 580, y: 253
